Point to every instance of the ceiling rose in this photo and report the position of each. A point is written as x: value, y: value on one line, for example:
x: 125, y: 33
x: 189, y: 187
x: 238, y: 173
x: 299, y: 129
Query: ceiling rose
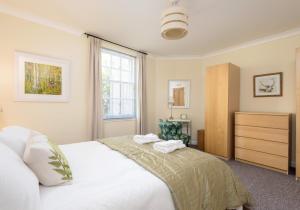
x: 174, y: 21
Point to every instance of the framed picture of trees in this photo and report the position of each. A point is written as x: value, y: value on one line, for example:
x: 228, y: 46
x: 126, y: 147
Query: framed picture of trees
x: 41, y: 78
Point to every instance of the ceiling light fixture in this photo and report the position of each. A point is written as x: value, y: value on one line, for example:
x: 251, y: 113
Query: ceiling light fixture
x: 174, y: 21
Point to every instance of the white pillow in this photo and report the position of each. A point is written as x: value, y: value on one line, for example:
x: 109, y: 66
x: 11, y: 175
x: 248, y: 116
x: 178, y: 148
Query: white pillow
x: 15, y: 137
x: 17, y: 130
x: 19, y: 187
x: 47, y: 161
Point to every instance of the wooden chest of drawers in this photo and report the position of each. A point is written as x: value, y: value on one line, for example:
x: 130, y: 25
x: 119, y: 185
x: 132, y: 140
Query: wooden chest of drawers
x: 263, y: 139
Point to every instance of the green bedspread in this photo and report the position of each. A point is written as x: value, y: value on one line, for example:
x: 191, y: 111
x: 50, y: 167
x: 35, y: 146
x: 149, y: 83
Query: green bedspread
x: 197, y: 180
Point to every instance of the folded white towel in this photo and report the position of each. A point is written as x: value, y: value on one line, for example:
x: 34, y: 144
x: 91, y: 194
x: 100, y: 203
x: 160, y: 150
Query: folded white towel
x: 144, y: 139
x: 168, y: 146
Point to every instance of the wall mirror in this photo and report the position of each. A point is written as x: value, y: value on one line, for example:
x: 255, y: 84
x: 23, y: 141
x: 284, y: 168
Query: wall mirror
x: 179, y: 94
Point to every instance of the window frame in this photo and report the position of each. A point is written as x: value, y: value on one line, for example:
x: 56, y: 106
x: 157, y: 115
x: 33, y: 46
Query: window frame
x: 134, y: 83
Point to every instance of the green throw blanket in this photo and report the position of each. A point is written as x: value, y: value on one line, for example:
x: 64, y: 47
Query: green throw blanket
x: 197, y: 180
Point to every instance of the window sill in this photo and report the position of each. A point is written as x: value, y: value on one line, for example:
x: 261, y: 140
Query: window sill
x: 119, y: 119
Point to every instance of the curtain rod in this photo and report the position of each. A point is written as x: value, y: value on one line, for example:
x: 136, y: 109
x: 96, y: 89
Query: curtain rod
x: 97, y: 37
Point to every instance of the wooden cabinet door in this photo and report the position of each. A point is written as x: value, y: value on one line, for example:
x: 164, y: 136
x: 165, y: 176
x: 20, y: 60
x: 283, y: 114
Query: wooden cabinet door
x: 216, y: 110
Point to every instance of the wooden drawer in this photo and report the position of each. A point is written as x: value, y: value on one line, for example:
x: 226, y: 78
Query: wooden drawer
x: 270, y: 134
x: 261, y: 158
x: 270, y: 147
x: 262, y: 120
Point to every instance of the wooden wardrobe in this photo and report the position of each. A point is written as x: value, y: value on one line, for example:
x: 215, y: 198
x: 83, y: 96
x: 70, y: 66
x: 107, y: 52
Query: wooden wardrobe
x: 222, y: 99
x: 298, y: 114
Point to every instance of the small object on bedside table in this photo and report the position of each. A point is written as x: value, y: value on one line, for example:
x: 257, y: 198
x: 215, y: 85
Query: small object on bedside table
x: 183, y: 116
x: 171, y: 104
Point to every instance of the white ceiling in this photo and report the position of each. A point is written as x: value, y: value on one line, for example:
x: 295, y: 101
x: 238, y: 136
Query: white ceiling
x: 214, y: 24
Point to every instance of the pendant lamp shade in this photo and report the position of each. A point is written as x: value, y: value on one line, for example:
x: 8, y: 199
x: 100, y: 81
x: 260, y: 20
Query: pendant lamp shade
x: 174, y: 23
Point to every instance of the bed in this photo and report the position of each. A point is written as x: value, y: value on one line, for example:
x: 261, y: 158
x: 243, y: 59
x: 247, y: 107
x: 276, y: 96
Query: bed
x: 117, y: 173
x: 105, y: 180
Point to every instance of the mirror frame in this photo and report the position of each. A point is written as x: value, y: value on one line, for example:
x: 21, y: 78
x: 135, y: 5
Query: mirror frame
x: 187, y: 97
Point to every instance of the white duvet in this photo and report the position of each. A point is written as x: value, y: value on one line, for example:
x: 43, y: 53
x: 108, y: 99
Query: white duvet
x: 105, y: 180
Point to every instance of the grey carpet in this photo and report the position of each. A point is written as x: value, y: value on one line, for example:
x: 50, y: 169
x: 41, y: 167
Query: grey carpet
x: 270, y: 190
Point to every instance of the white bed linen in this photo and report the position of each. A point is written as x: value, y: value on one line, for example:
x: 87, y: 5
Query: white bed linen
x: 105, y: 180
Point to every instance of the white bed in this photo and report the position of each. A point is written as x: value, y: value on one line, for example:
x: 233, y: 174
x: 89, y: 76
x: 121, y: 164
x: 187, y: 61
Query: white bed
x: 105, y: 180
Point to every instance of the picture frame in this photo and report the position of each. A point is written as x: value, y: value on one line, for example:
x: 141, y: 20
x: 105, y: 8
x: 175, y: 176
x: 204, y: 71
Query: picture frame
x: 179, y: 93
x: 41, y: 78
x: 268, y: 85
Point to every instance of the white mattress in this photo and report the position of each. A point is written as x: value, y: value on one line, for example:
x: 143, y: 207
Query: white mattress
x: 105, y: 180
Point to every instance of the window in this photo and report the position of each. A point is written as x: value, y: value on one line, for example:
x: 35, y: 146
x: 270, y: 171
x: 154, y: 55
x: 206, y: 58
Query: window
x: 118, y: 85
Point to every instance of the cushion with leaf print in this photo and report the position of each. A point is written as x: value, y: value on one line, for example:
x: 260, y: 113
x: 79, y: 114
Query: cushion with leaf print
x: 47, y: 161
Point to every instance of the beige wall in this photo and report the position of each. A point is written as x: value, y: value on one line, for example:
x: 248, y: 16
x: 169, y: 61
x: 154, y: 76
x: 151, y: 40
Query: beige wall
x: 178, y: 70
x: 119, y: 127
x: 62, y: 122
x: 67, y: 122
x: 275, y: 56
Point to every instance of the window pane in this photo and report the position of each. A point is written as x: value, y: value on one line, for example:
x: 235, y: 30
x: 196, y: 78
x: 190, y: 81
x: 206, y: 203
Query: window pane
x: 127, y: 107
x: 105, y: 59
x: 106, y: 93
x: 115, y: 111
x: 106, y: 106
x: 116, y: 62
x: 105, y: 73
x: 115, y: 89
x: 127, y: 91
x: 118, y: 84
x: 127, y: 76
x: 115, y: 75
x: 125, y: 64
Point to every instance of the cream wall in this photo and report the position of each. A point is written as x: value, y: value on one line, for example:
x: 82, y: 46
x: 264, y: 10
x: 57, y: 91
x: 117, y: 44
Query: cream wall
x: 67, y: 122
x: 119, y: 127
x: 275, y: 56
x: 62, y: 122
x: 178, y: 70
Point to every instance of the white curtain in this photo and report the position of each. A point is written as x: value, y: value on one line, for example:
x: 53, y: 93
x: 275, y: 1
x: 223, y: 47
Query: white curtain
x: 141, y: 92
x: 95, y: 90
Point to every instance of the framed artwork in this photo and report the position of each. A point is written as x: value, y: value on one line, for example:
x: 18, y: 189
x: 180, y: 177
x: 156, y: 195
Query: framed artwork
x: 179, y: 94
x: 40, y: 78
x: 267, y: 85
